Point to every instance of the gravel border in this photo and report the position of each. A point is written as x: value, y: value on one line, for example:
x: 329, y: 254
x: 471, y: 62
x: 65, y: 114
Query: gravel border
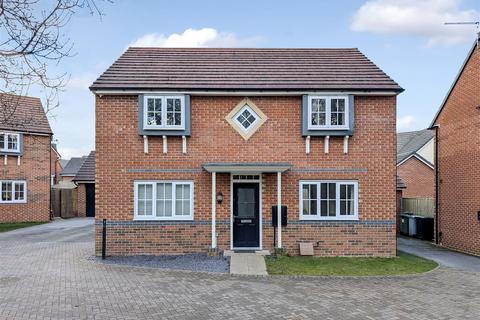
x: 199, y: 262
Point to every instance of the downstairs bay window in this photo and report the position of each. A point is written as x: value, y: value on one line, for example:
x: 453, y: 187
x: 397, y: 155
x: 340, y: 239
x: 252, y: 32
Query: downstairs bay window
x: 163, y: 200
x: 13, y: 191
x: 328, y: 200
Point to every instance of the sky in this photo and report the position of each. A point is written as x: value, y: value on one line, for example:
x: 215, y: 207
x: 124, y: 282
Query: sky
x: 405, y: 38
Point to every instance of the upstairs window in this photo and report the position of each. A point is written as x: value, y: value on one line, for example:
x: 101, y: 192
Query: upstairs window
x: 328, y: 200
x: 13, y: 192
x: 164, y: 112
x: 9, y: 142
x: 328, y: 112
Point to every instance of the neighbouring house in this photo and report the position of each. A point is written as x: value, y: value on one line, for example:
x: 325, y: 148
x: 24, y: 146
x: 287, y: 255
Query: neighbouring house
x: 25, y: 153
x: 196, y: 147
x: 401, y: 186
x: 415, y: 163
x: 457, y: 125
x: 85, y: 181
x: 70, y: 170
x: 55, y: 165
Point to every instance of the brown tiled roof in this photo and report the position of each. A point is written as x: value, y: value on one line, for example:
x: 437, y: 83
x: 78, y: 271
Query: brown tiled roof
x: 20, y: 113
x: 86, y: 173
x: 244, y: 69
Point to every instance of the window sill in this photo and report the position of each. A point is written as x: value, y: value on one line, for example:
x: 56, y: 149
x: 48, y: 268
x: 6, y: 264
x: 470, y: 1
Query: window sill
x: 12, y: 202
x: 163, y: 219
x: 163, y: 128
x: 328, y: 128
x: 304, y: 218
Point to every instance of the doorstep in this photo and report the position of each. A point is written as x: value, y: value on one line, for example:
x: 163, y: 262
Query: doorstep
x: 247, y: 264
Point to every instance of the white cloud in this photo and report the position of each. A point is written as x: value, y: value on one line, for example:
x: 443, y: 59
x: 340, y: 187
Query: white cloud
x: 425, y: 18
x: 205, y: 37
x: 406, y: 123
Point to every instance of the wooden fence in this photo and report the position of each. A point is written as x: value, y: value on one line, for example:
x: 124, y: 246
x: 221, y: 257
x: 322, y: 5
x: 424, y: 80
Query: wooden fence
x: 64, y: 203
x: 419, y: 206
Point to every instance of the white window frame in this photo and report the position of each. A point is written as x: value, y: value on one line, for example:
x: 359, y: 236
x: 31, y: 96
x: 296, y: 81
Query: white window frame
x: 154, y: 183
x: 252, y: 112
x: 328, y: 113
x: 337, y: 216
x: 164, y: 125
x: 5, y: 137
x: 14, y: 182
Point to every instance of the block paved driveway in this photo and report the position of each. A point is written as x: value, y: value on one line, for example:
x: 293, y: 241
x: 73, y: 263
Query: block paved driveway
x: 46, y: 273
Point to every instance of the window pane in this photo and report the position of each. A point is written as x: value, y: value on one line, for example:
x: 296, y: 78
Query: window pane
x: 2, y: 141
x: 323, y: 208
x: 186, y: 191
x: 178, y: 119
x: 148, y: 208
x: 305, y: 189
x: 158, y: 105
x: 161, y: 191
x: 343, y: 207
x: 315, y: 119
x: 306, y: 207
x: 343, y: 191
x: 186, y: 208
x: 313, y: 207
x: 178, y: 191
x: 334, y: 120
x: 19, y: 191
x: 332, y: 191
x: 150, y: 104
x: 169, y: 104
x: 321, y: 119
x: 12, y: 141
x: 332, y: 208
x: 323, y: 194
x: 160, y: 208
x: 341, y: 119
x: 141, y: 191
x: 141, y: 208
x: 341, y: 105
x: 170, y: 119
x: 168, y: 208
x: 168, y: 191
x: 178, y: 105
x: 178, y: 207
x: 313, y: 191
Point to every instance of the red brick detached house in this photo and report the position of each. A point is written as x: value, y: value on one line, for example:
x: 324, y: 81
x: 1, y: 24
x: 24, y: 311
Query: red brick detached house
x: 415, y: 158
x: 457, y: 125
x: 85, y: 181
x: 194, y: 147
x: 25, y: 155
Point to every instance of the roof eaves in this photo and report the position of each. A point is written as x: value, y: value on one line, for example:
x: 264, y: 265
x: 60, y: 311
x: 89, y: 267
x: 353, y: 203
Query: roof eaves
x: 472, y: 50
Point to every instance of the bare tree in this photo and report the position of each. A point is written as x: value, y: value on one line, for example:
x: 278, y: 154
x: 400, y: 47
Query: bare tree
x: 31, y: 42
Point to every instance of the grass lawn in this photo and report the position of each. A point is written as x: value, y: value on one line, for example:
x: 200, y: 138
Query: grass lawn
x: 404, y: 263
x: 4, y: 227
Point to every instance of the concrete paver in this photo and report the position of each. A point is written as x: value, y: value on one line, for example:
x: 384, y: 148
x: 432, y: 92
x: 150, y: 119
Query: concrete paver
x: 50, y: 275
x: 248, y: 264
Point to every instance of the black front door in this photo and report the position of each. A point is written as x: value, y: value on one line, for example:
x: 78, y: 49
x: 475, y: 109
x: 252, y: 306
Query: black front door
x: 90, y: 198
x: 246, y: 213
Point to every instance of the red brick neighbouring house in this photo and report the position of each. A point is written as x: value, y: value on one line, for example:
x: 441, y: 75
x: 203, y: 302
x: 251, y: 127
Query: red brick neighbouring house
x: 194, y: 147
x: 85, y: 181
x: 25, y: 151
x: 415, y: 158
x: 458, y: 139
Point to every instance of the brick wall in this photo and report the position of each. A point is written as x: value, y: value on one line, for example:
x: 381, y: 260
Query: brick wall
x: 459, y: 162
x: 371, y: 161
x: 81, y: 200
x: 35, y: 169
x: 419, y: 178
